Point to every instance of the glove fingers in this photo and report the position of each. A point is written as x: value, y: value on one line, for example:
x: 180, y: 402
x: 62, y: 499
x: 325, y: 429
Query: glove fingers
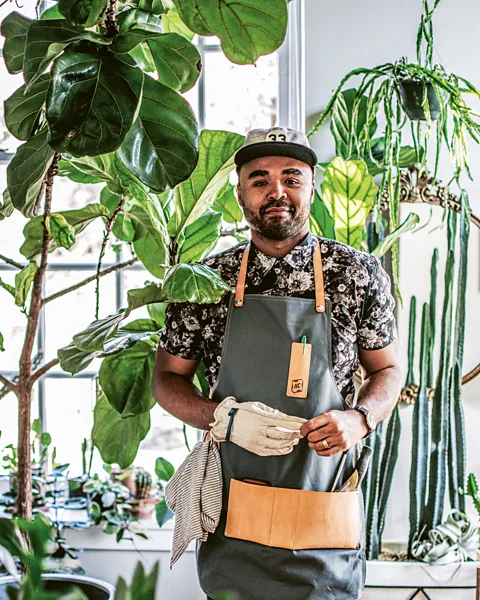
x: 282, y: 433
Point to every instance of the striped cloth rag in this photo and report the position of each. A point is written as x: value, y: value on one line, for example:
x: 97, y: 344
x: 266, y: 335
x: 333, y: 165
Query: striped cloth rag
x: 194, y: 494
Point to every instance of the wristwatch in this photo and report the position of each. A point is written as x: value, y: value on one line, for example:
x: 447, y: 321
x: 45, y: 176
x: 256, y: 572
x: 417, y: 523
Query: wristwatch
x: 369, y: 418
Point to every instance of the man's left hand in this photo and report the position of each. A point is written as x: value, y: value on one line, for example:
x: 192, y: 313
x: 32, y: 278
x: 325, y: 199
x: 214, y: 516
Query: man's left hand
x: 334, y: 431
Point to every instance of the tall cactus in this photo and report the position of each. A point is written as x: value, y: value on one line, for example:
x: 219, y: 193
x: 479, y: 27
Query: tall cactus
x: 420, y: 438
x: 143, y: 484
x: 433, y: 317
x: 412, y: 322
x: 441, y: 403
x: 457, y: 444
x: 389, y: 461
x: 371, y: 490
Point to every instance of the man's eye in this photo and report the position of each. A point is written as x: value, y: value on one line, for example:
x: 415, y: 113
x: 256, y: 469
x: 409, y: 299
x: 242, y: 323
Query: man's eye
x: 258, y: 183
x: 291, y: 181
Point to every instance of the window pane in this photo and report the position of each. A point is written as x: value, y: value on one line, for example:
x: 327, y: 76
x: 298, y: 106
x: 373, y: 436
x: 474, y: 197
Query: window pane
x: 240, y: 97
x: 69, y: 407
x: 71, y: 313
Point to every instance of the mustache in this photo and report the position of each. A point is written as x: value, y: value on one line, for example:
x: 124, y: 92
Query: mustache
x: 276, y: 204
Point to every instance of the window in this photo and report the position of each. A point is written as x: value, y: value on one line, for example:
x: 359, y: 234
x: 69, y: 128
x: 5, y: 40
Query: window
x: 227, y: 96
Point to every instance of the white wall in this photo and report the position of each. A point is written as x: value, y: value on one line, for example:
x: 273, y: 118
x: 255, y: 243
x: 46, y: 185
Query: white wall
x: 346, y: 34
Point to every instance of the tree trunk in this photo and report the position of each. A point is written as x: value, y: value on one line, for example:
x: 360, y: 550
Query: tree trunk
x: 24, y: 474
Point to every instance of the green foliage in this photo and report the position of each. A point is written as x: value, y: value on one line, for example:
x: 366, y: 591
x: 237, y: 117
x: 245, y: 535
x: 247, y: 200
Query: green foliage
x: 226, y: 203
x: 26, y: 172
x: 162, y: 513
x: 164, y: 470
x: 196, y: 195
x: 78, y: 219
x: 23, y: 282
x: 126, y: 379
x: 200, y: 237
x: 14, y: 30
x: 82, y: 12
x: 412, y: 322
x: 321, y: 221
x: 117, y: 438
x: 60, y: 230
x: 161, y: 146
x: 348, y: 191
x: 246, y: 29
x: 408, y: 225
x: 101, y: 80
x: 142, y: 586
x: 194, y: 283
x: 23, y: 109
x: 2, y: 347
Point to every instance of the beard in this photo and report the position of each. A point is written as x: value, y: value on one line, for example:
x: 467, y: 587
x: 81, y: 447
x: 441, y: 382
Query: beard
x: 277, y: 227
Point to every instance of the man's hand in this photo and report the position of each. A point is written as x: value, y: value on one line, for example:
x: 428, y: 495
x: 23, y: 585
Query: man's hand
x: 339, y: 429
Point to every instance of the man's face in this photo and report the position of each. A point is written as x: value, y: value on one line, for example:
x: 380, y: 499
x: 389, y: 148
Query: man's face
x: 276, y: 193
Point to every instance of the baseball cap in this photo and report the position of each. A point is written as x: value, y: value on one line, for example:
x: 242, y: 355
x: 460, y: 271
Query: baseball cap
x: 276, y: 141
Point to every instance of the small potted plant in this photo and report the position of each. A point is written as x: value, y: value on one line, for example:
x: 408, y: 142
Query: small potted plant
x: 143, y: 502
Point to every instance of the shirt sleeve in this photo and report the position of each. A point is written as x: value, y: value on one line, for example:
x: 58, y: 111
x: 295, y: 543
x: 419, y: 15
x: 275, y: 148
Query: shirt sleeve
x: 181, y: 333
x: 377, y: 327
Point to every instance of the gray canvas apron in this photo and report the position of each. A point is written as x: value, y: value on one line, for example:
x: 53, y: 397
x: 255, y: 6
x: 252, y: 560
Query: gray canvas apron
x: 255, y: 363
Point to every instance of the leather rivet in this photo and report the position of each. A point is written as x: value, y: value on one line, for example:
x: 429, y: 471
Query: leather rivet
x: 320, y: 307
x: 238, y: 302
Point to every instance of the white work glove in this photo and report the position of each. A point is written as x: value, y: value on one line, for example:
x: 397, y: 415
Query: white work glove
x: 256, y: 427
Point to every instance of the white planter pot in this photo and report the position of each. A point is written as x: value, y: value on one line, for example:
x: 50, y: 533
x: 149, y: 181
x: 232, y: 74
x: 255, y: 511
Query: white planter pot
x: 399, y: 580
x: 94, y: 589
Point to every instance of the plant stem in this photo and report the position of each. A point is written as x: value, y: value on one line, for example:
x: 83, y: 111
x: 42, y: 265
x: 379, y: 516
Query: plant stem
x: 43, y: 369
x: 108, y: 229
x: 7, y: 383
x: 80, y: 284
x: 9, y: 261
x: 24, y: 387
x: 111, y: 18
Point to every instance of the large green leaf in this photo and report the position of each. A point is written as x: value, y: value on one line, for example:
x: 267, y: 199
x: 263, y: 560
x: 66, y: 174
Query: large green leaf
x: 22, y: 110
x: 126, y: 379
x: 82, y: 12
x: 6, y: 206
x: 172, y: 23
x: 193, y: 283
x: 78, y: 218
x: 26, y: 172
x: 14, y: 30
x: 321, y: 221
x: 200, y: 237
x: 343, y: 129
x: 348, y: 191
x: 149, y: 244
x: 409, y: 224
x: 247, y: 28
x: 157, y: 7
x: 143, y: 57
x: 110, y: 91
x: 164, y: 469
x: 93, y: 338
x: 117, y: 439
x: 52, y: 13
x: 407, y: 157
x: 226, y: 202
x: 47, y: 39
x: 178, y: 62
x: 23, y: 282
x: 215, y: 163
x: 90, y: 169
x: 161, y: 147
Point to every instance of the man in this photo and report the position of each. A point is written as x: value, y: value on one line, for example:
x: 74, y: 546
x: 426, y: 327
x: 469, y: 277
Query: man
x: 280, y: 353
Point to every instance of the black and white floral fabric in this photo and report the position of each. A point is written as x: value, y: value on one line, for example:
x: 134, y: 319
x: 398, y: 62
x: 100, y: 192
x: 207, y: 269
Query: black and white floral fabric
x: 355, y: 283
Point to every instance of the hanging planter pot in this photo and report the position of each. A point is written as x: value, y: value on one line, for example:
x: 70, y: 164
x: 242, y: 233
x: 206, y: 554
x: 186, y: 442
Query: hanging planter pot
x: 411, y: 94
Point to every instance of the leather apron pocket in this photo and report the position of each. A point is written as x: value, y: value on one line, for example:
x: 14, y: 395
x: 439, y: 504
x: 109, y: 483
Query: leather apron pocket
x: 293, y: 519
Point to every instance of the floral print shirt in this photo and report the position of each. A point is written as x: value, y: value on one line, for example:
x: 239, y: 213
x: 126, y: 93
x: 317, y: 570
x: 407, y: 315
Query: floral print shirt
x: 355, y: 283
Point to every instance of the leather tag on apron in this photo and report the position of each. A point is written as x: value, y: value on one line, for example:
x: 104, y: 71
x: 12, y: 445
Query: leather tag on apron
x: 299, y: 371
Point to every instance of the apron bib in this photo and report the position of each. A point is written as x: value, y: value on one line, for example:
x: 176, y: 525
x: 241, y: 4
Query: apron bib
x: 255, y: 365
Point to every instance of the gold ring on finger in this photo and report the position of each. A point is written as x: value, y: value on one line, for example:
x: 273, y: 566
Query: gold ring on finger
x: 325, y: 444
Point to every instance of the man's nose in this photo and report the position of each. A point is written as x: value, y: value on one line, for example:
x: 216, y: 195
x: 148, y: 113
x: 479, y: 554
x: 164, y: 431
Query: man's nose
x: 276, y: 191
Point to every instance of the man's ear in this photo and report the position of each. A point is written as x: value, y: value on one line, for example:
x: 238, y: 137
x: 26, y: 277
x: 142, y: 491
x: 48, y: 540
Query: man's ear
x: 239, y: 194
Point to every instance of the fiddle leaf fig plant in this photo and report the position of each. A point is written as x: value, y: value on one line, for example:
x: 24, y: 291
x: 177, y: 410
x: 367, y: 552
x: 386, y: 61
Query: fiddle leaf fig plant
x: 101, y: 103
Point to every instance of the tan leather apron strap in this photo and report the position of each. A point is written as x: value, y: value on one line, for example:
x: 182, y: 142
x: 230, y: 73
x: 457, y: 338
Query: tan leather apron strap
x: 317, y: 273
x: 318, y: 276
x: 242, y: 276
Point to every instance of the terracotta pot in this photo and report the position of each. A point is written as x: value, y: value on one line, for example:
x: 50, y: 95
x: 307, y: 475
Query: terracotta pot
x: 142, y: 509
